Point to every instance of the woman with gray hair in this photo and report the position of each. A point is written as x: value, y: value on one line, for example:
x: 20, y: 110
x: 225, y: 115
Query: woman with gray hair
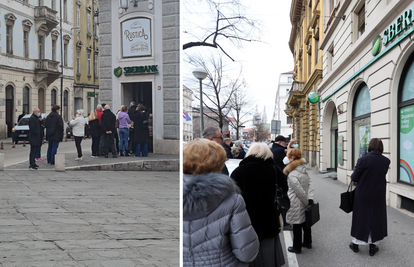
x: 78, y: 128
x: 237, y: 150
x: 257, y: 177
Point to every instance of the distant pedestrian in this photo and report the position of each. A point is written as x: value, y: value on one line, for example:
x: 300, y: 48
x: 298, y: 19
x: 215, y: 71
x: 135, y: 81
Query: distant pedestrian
x: 257, y: 178
x: 237, y: 150
x: 95, y: 132
x: 108, y: 120
x: 99, y: 111
x: 227, y: 147
x: 216, y: 226
x: 34, y: 137
x: 369, y: 217
x: 21, y: 115
x: 38, y: 156
x: 54, y: 133
x: 301, y: 195
x: 141, y: 131
x: 123, y: 122
x: 278, y: 150
x: 214, y: 134
x: 78, y: 129
x: 292, y: 144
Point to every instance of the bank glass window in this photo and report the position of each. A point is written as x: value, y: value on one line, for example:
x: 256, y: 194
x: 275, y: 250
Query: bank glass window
x: 26, y: 99
x: 406, y: 124
x: 361, y: 123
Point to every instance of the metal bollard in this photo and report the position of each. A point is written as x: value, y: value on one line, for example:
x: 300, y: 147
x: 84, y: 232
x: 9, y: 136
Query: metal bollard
x: 24, y: 142
x: 1, y: 145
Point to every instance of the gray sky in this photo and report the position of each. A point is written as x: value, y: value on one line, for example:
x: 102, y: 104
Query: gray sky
x: 262, y: 62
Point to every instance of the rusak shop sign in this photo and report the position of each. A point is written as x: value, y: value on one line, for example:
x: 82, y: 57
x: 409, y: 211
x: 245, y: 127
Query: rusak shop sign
x: 400, y: 25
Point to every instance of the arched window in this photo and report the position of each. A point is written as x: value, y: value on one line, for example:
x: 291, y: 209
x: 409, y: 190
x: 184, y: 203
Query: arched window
x: 26, y: 99
x: 53, y: 97
x: 334, y: 140
x: 361, y: 122
x: 406, y: 123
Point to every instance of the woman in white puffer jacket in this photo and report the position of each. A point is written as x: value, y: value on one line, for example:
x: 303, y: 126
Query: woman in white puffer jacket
x: 78, y: 129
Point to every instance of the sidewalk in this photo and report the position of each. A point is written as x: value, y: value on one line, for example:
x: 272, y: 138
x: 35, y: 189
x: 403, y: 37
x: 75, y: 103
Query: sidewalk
x: 331, y: 235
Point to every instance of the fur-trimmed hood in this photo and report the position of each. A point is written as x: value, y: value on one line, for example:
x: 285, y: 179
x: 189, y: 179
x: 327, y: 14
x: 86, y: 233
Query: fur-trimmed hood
x: 203, y: 193
x: 298, y: 164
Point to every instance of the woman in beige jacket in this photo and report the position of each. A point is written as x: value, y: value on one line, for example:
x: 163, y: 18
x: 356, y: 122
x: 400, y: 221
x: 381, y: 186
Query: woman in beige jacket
x: 301, y: 195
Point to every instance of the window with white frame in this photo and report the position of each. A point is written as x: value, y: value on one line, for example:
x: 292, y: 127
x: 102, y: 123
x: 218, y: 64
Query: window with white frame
x: 89, y: 63
x: 25, y: 44
x: 88, y: 21
x: 361, y: 21
x: 53, y: 49
x: 9, y: 39
x: 65, y: 55
x: 41, y: 46
x: 330, y: 61
x: 78, y: 61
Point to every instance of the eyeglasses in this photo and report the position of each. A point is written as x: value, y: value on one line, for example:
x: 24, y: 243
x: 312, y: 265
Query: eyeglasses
x: 218, y: 137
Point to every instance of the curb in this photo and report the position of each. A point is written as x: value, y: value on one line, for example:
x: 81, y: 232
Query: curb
x: 142, y: 165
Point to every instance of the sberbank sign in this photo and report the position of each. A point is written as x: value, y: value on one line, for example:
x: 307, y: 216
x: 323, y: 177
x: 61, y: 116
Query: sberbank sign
x: 400, y: 25
x: 137, y: 70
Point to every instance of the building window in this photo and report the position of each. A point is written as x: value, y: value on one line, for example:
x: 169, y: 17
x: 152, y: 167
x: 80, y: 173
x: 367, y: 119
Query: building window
x: 361, y: 122
x: 25, y: 44
x: 95, y: 65
x: 9, y: 39
x: 65, y: 10
x: 287, y: 92
x: 26, y: 99
x: 332, y: 4
x: 65, y: 55
x: 54, y: 4
x: 78, y: 61
x: 89, y: 63
x: 361, y: 21
x: 406, y: 123
x: 316, y: 51
x: 53, y: 97
x: 77, y: 16
x: 41, y: 46
x: 54, y: 50
x: 289, y: 120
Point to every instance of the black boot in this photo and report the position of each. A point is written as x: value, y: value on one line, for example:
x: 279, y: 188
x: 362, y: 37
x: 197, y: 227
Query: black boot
x: 373, y: 249
x: 127, y: 153
x: 114, y: 155
x: 354, y: 247
x: 121, y: 153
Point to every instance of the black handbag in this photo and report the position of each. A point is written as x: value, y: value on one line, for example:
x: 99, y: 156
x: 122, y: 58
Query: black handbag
x: 312, y: 215
x: 282, y: 201
x: 347, y: 199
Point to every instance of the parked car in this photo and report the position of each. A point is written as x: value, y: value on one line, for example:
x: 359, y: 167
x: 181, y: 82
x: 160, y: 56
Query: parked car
x: 20, y: 131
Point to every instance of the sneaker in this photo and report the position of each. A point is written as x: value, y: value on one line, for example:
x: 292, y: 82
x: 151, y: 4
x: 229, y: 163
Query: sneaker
x: 40, y: 159
x: 79, y: 159
x: 92, y: 156
x: 32, y: 168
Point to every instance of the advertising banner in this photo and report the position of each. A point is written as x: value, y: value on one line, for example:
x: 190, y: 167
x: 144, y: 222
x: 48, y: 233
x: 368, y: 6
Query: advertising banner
x: 406, y: 144
x: 136, y: 37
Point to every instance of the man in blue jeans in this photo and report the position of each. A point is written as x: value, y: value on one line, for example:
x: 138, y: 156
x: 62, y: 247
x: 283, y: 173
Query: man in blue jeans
x: 54, y: 133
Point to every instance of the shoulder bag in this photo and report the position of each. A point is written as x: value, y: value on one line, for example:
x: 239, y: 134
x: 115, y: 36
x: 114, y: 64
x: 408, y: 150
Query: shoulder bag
x: 282, y: 201
x: 347, y: 199
x: 312, y: 215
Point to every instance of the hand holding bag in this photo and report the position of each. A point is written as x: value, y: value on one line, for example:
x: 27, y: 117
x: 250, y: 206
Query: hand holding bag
x: 312, y: 215
x: 347, y: 199
x: 282, y: 201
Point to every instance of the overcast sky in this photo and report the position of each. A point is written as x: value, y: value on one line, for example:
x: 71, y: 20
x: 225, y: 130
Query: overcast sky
x: 262, y: 61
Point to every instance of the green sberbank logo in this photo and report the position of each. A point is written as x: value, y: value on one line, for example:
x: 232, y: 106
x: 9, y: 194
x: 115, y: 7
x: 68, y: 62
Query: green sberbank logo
x: 376, y: 46
x: 118, y: 72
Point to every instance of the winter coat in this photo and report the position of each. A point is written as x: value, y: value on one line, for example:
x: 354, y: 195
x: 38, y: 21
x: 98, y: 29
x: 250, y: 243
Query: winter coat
x: 238, y: 153
x: 54, y: 127
x: 35, y: 138
x: 216, y: 227
x: 78, y: 126
x: 141, y: 133
x: 108, y: 121
x: 131, y: 111
x: 95, y: 128
x: 257, y: 179
x: 278, y: 155
x: 228, y: 150
x: 370, y: 213
x: 123, y: 120
x: 300, y: 191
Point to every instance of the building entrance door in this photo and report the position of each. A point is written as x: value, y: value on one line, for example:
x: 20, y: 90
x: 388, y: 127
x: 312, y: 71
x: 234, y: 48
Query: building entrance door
x: 334, y: 141
x: 140, y: 92
x: 9, y: 109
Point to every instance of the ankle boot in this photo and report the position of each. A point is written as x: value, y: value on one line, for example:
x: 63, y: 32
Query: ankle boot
x: 127, y: 153
x: 354, y: 247
x: 373, y: 249
x: 121, y: 153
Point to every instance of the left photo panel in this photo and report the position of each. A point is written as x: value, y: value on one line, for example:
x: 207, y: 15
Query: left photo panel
x: 90, y: 133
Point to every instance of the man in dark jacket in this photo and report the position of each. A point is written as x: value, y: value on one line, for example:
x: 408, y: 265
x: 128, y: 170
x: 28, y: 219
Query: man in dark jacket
x: 278, y: 150
x: 34, y: 137
x: 214, y: 134
x: 226, y: 145
x: 108, y: 120
x: 54, y: 133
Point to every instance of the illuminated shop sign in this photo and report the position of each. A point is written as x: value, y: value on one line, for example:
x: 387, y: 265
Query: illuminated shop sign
x: 136, y: 37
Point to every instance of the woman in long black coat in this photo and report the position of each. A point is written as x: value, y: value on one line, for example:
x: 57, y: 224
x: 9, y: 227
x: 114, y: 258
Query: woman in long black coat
x: 369, y: 218
x: 257, y: 177
x: 141, y: 131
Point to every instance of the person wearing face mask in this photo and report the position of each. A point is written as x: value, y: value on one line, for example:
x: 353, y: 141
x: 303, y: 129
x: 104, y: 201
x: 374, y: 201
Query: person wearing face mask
x: 292, y: 144
x: 278, y: 150
x: 34, y: 137
x: 78, y: 127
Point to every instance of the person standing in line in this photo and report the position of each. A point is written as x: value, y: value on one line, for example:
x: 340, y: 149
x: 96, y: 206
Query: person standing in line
x: 301, y: 195
x: 214, y: 134
x: 34, y: 138
x: 292, y: 144
x: 123, y: 122
x: 141, y: 131
x: 108, y: 120
x: 78, y: 128
x: 227, y: 147
x: 257, y: 173
x: 369, y: 216
x: 216, y: 226
x: 96, y: 133
x: 38, y: 156
x: 237, y: 150
x: 278, y: 150
x: 54, y: 133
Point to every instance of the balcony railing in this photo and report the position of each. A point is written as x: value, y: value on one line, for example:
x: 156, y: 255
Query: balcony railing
x: 44, y: 12
x: 297, y: 86
x: 47, y: 65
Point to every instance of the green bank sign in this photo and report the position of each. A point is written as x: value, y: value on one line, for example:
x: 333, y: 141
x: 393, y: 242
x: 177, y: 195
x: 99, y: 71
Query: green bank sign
x: 399, y: 26
x: 137, y: 70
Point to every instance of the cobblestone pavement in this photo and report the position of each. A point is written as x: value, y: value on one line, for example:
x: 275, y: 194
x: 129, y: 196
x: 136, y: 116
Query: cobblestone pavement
x: 83, y: 218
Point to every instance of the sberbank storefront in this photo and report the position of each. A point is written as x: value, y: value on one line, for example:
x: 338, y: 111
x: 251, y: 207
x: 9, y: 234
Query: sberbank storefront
x: 375, y: 99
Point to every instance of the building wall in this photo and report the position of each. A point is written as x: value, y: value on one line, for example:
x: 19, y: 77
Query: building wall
x: 282, y: 94
x: 187, y: 108
x: 354, y: 65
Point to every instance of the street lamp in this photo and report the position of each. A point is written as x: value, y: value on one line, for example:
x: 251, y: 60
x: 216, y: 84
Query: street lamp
x: 200, y: 74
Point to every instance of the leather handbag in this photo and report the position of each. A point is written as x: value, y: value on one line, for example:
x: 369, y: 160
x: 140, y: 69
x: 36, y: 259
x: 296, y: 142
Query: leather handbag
x: 282, y: 201
x: 347, y: 199
x: 312, y: 215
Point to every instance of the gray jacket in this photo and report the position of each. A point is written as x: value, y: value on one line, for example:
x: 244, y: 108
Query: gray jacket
x: 216, y: 227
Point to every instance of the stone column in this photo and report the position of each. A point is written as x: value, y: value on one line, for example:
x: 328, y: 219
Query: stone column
x: 105, y: 52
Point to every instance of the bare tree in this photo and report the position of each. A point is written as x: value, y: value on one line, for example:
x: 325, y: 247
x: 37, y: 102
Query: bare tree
x: 225, y: 22
x: 260, y: 132
x: 240, y: 109
x: 218, y: 87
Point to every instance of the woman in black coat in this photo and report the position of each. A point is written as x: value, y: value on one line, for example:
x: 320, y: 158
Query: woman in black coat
x: 95, y: 131
x: 369, y: 218
x: 141, y: 131
x: 257, y: 177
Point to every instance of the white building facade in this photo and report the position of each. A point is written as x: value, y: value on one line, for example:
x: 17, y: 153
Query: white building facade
x: 188, y: 128
x: 30, y: 59
x: 282, y: 95
x: 367, y: 90
x: 139, y: 61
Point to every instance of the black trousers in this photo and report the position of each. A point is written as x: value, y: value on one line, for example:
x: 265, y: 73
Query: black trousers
x: 95, y: 146
x: 108, y: 140
x: 78, y: 141
x: 33, y: 150
x: 297, y: 235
